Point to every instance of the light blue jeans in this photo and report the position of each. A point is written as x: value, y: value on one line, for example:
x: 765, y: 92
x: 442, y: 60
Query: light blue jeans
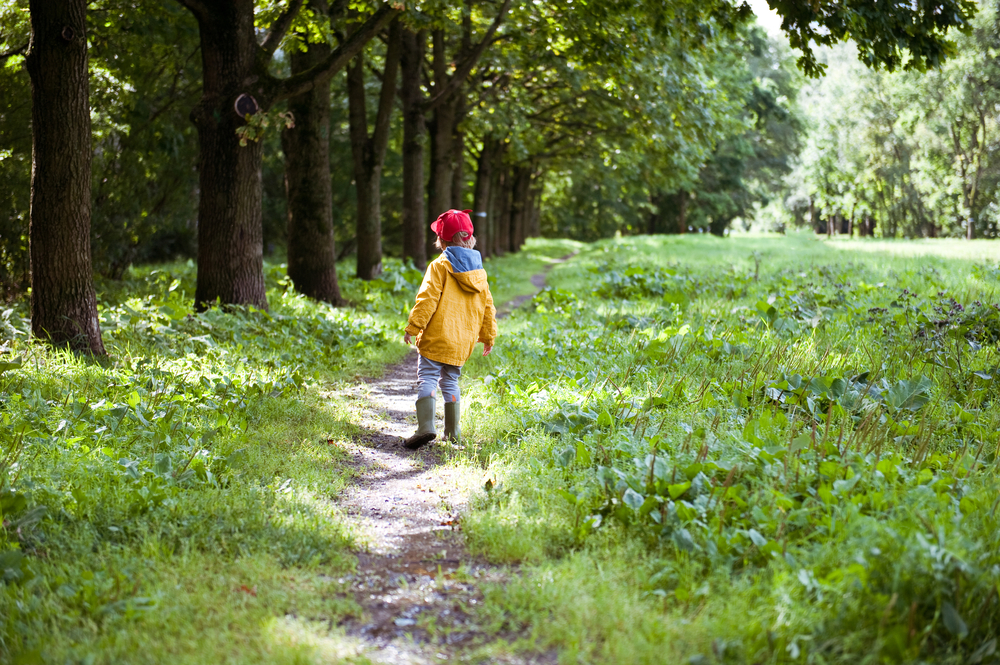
x: 431, y: 373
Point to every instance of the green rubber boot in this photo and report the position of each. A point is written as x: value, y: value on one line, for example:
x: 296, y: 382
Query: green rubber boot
x: 425, y: 424
x: 452, y: 415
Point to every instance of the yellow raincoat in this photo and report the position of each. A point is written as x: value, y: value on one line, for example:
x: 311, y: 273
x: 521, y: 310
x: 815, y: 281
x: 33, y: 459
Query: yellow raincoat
x: 454, y: 308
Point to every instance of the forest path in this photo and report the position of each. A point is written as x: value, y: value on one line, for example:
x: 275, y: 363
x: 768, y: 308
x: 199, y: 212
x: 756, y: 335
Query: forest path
x: 416, y: 581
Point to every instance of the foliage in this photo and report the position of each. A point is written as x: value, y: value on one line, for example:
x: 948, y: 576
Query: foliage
x: 185, y: 485
x: 203, y: 439
x: 818, y: 433
x: 912, y: 36
x: 911, y: 152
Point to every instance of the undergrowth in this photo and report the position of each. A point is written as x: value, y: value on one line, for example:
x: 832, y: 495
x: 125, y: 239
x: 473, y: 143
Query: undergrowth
x: 175, y: 502
x: 746, y: 451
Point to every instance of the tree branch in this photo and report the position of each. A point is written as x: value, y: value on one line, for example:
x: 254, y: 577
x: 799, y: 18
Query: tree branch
x: 306, y: 81
x: 463, y: 70
x: 17, y: 51
x: 198, y: 8
x: 337, y: 9
x: 280, y: 27
x: 380, y: 136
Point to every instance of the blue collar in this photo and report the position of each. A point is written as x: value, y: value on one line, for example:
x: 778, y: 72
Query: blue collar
x: 463, y: 260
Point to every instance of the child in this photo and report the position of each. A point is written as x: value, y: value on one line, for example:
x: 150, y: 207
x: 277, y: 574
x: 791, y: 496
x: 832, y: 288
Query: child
x: 454, y: 310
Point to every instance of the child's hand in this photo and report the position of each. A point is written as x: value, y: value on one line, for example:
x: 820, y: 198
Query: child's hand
x: 487, y: 348
x: 407, y: 339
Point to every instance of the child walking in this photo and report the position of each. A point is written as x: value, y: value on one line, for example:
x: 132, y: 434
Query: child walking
x: 454, y: 310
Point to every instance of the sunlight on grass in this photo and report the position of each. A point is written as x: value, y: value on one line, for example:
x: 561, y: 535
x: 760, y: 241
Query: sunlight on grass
x: 946, y: 248
x: 739, y: 450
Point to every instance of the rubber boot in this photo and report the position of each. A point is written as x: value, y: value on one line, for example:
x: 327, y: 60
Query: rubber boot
x: 452, y: 416
x: 425, y: 424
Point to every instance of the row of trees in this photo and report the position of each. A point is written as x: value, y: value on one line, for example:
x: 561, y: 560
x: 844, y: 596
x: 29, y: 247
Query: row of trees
x: 908, y: 153
x: 499, y: 104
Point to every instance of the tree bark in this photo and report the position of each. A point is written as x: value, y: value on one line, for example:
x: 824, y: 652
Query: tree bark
x: 312, y: 253
x: 369, y: 154
x: 533, y: 215
x: 442, y: 130
x: 414, y: 131
x: 230, y: 236
x: 458, y: 166
x: 63, y: 302
x: 504, y: 215
x: 682, y: 207
x: 495, y: 211
x: 519, y: 206
x: 481, y: 197
x: 653, y: 221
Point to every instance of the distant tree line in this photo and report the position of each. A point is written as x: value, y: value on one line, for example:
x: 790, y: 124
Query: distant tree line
x: 220, y: 129
x: 914, y: 154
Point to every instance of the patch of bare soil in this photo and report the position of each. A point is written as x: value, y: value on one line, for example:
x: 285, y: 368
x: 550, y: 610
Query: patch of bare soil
x: 416, y: 581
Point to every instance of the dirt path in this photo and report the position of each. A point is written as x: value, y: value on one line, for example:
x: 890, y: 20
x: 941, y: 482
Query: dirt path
x: 416, y: 581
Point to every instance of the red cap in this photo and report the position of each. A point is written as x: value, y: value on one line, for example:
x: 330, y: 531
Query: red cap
x: 448, y: 223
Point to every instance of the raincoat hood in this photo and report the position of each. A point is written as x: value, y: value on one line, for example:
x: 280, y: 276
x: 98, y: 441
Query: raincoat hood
x: 467, y: 269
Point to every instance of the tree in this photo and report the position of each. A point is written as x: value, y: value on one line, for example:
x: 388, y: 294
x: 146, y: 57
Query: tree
x: 236, y: 84
x: 312, y: 253
x: 369, y: 152
x: 441, y: 101
x: 414, y: 130
x: 882, y: 31
x: 909, y: 153
x: 63, y: 302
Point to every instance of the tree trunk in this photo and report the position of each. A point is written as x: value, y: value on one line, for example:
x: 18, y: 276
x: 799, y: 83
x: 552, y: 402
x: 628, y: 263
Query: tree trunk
x: 682, y: 206
x: 534, y: 225
x: 230, y: 235
x: 503, y: 212
x: 458, y: 166
x: 312, y: 254
x: 442, y: 129
x: 366, y: 180
x: 495, y: 215
x: 63, y: 302
x: 519, y: 206
x: 414, y: 130
x: 369, y: 153
x: 481, y: 202
x: 655, y: 215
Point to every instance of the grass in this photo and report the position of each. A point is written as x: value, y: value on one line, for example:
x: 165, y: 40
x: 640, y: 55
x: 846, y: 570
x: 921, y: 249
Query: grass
x: 701, y: 450
x: 690, y: 463
x: 176, y: 502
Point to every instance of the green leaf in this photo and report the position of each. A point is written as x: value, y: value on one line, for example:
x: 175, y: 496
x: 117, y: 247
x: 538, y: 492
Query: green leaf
x: 633, y: 499
x: 683, y: 539
x: 756, y: 538
x: 7, y: 366
x: 569, y: 496
x: 953, y: 621
x: 678, y: 489
x: 910, y: 395
x: 842, y: 486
